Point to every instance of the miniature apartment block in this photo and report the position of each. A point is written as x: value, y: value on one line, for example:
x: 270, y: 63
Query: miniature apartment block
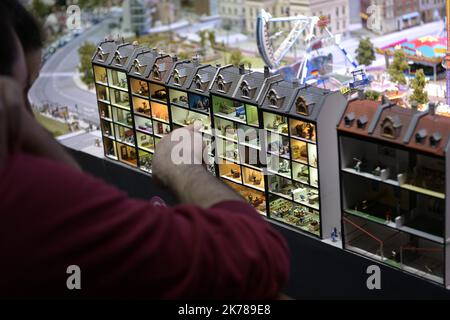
x: 301, y: 152
x: 234, y: 95
x: 394, y: 163
x: 189, y: 99
x: 110, y: 65
x: 149, y: 96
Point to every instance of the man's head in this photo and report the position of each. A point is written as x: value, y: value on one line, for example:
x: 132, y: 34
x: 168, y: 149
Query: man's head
x: 29, y: 33
x: 12, y: 58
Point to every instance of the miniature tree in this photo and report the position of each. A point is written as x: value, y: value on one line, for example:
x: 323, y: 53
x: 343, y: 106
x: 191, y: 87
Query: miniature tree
x: 418, y: 84
x: 202, y: 35
x: 212, y: 38
x: 86, y: 51
x: 372, y: 95
x: 236, y: 58
x: 398, y: 67
x: 365, y: 52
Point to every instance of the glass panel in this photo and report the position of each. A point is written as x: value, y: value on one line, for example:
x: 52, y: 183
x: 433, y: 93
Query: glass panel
x: 230, y: 171
x: 144, y: 124
x: 145, y: 142
x: 200, y: 103
x: 139, y: 87
x: 226, y: 128
x: 279, y: 165
x: 300, y: 172
x: 252, y: 115
x: 248, y: 135
x: 306, y: 195
x: 107, y: 128
x: 160, y: 111
x: 117, y: 79
x: 278, y: 145
x: 100, y: 75
x: 124, y: 134
x: 281, y: 186
x: 127, y: 154
x: 110, y: 147
x: 299, y: 151
x: 102, y: 93
x: 275, y: 123
x: 229, y: 108
x: 312, y: 155
x: 141, y: 106
x: 120, y: 98
x: 104, y: 109
x: 255, y: 198
x: 122, y: 116
x: 227, y: 149
x: 314, y: 177
x: 178, y: 97
x: 145, y: 161
x: 158, y: 92
x: 302, y: 129
x: 161, y: 128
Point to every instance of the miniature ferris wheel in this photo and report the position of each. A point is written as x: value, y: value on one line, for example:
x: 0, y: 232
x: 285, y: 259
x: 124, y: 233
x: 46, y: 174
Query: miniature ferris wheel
x: 303, y: 26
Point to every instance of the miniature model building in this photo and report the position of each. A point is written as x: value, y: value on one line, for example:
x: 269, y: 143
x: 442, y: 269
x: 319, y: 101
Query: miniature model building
x: 234, y: 93
x: 110, y: 65
x: 147, y: 77
x: 295, y: 119
x: 189, y: 99
x: 393, y: 168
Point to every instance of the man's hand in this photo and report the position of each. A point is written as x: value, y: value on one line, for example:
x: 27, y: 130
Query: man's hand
x: 178, y: 165
x: 12, y: 107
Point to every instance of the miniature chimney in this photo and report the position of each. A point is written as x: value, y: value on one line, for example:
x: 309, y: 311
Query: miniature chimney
x: 266, y: 72
x: 432, y: 108
x: 414, y: 106
x: 175, y: 58
x: 295, y: 83
x: 218, y: 65
x: 385, y: 100
x: 196, y: 61
x: 361, y: 95
x: 241, y: 68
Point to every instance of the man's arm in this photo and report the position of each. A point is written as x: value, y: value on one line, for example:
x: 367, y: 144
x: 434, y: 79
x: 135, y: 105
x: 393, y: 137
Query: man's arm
x: 126, y: 247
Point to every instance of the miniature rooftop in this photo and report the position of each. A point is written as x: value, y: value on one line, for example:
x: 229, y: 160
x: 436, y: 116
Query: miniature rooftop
x: 227, y: 80
x: 304, y: 102
x: 142, y: 63
x: 250, y: 86
x: 182, y: 74
x: 384, y: 121
x: 104, y: 53
x: 202, y: 79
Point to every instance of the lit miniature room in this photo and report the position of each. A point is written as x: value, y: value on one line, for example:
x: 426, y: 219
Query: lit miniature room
x: 120, y: 98
x: 105, y: 111
x: 107, y: 128
x: 102, y: 93
x: 117, y: 79
x: 178, y: 98
x: 124, y: 134
x: 275, y: 123
x: 100, y: 75
x: 139, y: 88
x: 227, y: 149
x: 160, y: 112
x: 143, y: 124
x: 110, y: 148
x: 252, y: 115
x: 255, y: 198
x: 226, y: 128
x: 141, y: 107
x: 122, y: 117
x: 145, y: 142
x: 184, y: 117
x: 199, y: 103
x: 229, y: 109
x: 145, y: 161
x: 248, y: 136
x: 303, y: 130
x: 278, y: 145
x: 160, y: 129
x: 127, y: 154
x: 399, y: 249
x: 230, y: 171
x: 253, y: 178
x: 158, y: 93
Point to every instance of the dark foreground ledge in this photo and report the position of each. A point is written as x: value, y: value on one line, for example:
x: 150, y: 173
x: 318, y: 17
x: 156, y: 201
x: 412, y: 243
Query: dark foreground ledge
x: 318, y: 271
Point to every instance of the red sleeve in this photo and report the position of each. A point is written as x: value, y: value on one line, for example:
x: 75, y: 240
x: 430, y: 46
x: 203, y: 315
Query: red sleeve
x: 54, y: 217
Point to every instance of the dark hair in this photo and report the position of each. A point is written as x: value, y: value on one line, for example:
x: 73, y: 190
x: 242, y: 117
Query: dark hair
x: 25, y: 25
x: 8, y: 49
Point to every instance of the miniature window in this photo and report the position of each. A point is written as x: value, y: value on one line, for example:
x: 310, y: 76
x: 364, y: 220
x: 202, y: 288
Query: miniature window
x: 198, y: 83
x: 143, y: 124
x: 141, y: 107
x: 139, y: 87
x: 124, y: 134
x: 253, y: 178
x: 349, y: 118
x: 306, y: 195
x: 100, y: 75
x: 255, y: 198
x: 278, y: 145
x: 117, y: 79
x: 145, y: 142
x: 137, y: 67
x: 274, y: 122
x: 303, y: 130
x: 280, y: 186
x: 160, y: 112
x: 361, y: 123
x: 252, y: 115
x: 122, y: 116
x: 273, y: 99
x: 176, y: 77
x: 300, y: 172
x: 230, y: 171
x: 110, y: 147
x: 199, y: 103
x: 226, y: 128
x: 220, y: 83
x: 100, y: 54
x: 145, y: 161
x: 158, y: 92
x: 390, y: 127
x: 435, y: 139
x: 160, y: 128
x: 227, y: 150
x: 301, y: 106
x: 156, y: 73
x: 299, y: 151
x: 421, y: 135
x: 127, y: 154
x: 178, y: 97
x: 107, y: 128
x: 245, y: 90
x: 120, y: 98
x: 102, y: 93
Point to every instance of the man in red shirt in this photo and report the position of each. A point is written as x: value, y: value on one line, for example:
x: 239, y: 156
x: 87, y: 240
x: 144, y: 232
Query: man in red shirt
x: 53, y: 216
